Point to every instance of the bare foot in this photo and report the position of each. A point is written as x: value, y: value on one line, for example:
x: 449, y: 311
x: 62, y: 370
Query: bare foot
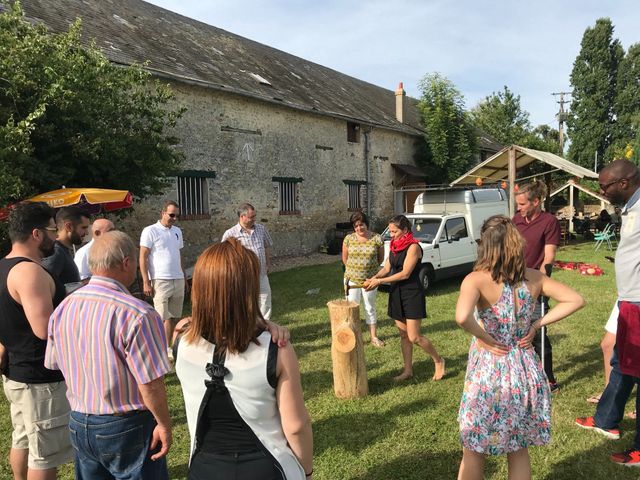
x: 403, y: 376
x: 439, y: 370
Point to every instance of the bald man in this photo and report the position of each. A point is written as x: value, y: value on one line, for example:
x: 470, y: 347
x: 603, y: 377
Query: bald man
x: 620, y: 184
x: 100, y: 226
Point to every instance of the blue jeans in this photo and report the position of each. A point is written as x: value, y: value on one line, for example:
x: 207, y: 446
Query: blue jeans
x: 115, y: 447
x: 610, y: 408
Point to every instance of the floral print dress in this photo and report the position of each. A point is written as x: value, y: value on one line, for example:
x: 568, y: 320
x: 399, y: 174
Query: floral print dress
x: 506, y: 402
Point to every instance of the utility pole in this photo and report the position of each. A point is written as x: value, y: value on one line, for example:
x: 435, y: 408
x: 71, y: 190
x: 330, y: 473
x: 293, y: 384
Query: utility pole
x: 562, y: 117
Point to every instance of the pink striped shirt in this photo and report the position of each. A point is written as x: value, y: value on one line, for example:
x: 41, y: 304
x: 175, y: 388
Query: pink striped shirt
x: 106, y: 343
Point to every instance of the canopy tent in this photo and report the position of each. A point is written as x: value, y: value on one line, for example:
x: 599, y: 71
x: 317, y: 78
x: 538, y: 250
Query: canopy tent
x: 504, y: 164
x: 571, y: 185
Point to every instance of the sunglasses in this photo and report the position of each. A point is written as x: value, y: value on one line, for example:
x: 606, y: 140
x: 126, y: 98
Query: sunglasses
x: 50, y: 229
x: 174, y: 215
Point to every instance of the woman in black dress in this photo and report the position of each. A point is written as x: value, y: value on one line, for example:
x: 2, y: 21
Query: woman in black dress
x: 406, y: 295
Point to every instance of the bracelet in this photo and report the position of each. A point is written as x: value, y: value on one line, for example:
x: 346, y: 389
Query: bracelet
x: 309, y: 474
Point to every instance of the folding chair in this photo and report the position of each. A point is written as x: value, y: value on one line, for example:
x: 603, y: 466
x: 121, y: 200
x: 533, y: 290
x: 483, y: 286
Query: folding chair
x: 608, y: 235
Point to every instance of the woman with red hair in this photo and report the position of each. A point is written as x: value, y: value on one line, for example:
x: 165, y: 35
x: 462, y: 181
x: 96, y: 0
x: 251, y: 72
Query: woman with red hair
x: 243, y: 395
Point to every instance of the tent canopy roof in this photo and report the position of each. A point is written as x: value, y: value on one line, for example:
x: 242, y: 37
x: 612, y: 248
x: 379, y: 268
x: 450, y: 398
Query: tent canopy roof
x: 496, y: 168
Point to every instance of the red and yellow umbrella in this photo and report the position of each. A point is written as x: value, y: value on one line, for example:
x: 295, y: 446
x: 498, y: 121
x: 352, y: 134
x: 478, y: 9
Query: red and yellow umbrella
x: 92, y: 200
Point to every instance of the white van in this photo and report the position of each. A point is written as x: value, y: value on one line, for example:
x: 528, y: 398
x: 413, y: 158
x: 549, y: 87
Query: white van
x: 447, y: 224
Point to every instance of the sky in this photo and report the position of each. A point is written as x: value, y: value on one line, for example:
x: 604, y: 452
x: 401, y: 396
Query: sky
x: 480, y: 45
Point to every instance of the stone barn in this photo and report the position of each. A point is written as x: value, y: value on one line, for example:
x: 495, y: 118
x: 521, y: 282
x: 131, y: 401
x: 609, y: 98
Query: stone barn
x: 306, y: 145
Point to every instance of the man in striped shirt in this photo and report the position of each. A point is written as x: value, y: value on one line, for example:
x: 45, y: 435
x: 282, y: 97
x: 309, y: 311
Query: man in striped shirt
x: 256, y: 238
x: 111, y: 349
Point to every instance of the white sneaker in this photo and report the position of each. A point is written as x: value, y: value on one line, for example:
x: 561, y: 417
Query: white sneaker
x: 170, y: 353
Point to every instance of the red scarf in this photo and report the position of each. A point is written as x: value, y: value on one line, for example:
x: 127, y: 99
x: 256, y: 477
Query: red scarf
x: 402, y: 243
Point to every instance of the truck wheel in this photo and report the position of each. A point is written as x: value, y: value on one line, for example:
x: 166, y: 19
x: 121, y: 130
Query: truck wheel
x: 426, y: 277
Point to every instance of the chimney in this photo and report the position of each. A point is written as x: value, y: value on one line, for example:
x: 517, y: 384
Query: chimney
x: 400, y: 96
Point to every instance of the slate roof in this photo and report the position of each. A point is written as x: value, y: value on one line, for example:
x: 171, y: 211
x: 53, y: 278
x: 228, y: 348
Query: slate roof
x: 183, y: 49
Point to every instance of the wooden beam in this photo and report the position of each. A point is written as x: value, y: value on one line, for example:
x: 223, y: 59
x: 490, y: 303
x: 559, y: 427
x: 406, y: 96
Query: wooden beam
x: 512, y: 181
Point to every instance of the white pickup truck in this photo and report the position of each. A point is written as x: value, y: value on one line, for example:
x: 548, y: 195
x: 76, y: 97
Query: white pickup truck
x: 447, y: 224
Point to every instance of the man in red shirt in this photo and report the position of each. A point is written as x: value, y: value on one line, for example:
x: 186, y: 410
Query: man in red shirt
x: 541, y: 232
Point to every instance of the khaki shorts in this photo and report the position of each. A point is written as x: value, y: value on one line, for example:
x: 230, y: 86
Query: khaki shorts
x: 168, y: 297
x: 40, y: 419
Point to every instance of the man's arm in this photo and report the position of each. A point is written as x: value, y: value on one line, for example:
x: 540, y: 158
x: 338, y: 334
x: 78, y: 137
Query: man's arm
x: 33, y: 288
x: 267, y: 254
x: 268, y: 243
x: 154, y: 395
x: 3, y: 357
x: 184, y: 274
x: 549, y: 256
x: 144, y: 270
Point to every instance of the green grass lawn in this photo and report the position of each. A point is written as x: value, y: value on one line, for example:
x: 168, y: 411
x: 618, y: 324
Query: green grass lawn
x: 409, y: 431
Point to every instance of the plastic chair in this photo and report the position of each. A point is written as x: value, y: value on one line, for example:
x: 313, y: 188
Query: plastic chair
x: 607, y: 235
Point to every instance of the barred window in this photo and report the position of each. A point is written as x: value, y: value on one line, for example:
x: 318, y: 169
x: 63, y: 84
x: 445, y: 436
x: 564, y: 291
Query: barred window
x: 193, y: 194
x: 354, y: 197
x: 354, y: 194
x: 288, y: 195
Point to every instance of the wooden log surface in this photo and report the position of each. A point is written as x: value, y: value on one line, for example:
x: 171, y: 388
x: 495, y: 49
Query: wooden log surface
x: 347, y: 350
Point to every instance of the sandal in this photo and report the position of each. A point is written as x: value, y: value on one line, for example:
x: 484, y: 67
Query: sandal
x: 593, y: 399
x: 376, y: 342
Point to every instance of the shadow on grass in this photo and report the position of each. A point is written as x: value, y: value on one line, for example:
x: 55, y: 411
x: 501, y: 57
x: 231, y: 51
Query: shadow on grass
x: 593, y: 463
x: 358, y: 431
x: 415, y: 466
x: 316, y: 383
x: 589, y: 361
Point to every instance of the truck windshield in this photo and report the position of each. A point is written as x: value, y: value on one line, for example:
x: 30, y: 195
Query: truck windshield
x: 424, y: 229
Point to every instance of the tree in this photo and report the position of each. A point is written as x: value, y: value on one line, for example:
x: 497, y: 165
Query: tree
x: 70, y: 117
x: 594, y: 78
x: 449, y: 138
x: 627, y: 102
x: 501, y: 116
x: 544, y: 138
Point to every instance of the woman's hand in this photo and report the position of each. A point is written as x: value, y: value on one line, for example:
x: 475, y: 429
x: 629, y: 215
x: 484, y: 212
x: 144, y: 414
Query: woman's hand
x: 527, y: 340
x: 371, y: 283
x: 279, y: 334
x: 491, y: 346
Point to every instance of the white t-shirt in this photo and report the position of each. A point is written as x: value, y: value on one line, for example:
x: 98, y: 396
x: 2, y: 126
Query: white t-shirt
x: 164, y: 244
x: 81, y: 260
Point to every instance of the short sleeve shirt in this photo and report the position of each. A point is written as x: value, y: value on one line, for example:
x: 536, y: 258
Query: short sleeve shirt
x: 541, y: 231
x: 256, y: 240
x: 164, y: 244
x: 362, y: 257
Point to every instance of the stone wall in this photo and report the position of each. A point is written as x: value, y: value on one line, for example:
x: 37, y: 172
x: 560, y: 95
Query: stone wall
x: 248, y: 142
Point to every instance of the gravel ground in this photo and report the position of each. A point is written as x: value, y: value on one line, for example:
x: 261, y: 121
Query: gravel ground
x: 286, y: 262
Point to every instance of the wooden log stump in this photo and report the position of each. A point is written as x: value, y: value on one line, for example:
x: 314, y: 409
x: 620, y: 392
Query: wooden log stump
x: 347, y: 350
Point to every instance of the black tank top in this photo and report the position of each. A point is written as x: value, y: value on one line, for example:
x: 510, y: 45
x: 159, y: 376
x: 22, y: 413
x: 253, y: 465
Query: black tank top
x: 25, y: 350
x: 223, y: 431
x: 396, y: 261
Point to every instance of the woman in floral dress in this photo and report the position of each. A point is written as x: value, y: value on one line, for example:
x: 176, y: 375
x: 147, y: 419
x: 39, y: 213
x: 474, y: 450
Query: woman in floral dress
x: 506, y: 402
